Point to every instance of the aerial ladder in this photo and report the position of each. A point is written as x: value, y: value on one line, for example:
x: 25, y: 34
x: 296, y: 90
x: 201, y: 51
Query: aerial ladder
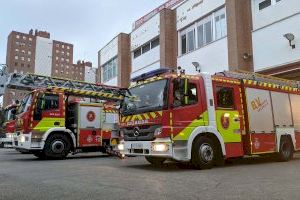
x: 31, y: 82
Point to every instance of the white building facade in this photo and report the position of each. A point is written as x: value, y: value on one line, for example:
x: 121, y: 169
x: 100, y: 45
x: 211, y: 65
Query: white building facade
x: 273, y: 21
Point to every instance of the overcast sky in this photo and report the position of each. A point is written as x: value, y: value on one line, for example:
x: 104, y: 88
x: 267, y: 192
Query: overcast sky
x: 88, y: 24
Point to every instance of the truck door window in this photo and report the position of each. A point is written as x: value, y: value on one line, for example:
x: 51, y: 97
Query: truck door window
x: 225, y: 97
x: 180, y: 99
x: 51, y: 101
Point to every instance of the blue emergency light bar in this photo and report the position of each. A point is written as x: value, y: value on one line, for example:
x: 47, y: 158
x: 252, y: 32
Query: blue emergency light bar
x: 150, y: 74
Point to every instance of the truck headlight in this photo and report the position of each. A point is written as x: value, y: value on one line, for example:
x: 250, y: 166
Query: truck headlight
x: 22, y: 138
x: 121, y: 147
x: 157, y: 131
x: 160, y: 147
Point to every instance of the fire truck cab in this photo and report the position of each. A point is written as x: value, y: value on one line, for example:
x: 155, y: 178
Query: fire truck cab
x: 205, y: 119
x: 8, y: 126
x: 51, y: 125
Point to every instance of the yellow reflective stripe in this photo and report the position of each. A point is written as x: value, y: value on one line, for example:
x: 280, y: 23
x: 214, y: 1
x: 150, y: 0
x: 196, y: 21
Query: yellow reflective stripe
x: 153, y: 115
x: 186, y: 91
x: 146, y: 116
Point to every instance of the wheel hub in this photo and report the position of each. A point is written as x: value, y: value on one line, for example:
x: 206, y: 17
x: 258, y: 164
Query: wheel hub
x: 57, y: 146
x: 206, y: 152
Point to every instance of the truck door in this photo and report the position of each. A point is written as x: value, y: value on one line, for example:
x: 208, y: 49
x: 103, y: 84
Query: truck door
x: 89, y: 126
x: 187, y: 110
x: 48, y: 112
x: 229, y: 117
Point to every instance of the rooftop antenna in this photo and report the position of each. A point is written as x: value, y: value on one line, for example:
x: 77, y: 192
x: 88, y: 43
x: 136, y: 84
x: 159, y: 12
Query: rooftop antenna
x: 197, y: 66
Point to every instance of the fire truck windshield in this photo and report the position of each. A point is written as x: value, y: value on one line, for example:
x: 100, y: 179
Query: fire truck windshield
x: 25, y: 103
x: 8, y: 114
x: 145, y: 98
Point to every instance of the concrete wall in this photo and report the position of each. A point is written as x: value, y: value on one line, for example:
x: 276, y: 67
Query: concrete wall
x: 270, y: 47
x: 144, y: 61
x: 192, y: 10
x: 145, y: 33
x: 212, y: 58
x: 43, y: 56
x: 89, y: 74
x: 109, y: 51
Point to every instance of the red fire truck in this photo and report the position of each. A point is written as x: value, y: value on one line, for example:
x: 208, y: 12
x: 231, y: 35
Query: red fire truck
x: 205, y: 119
x: 51, y: 123
x: 8, y: 126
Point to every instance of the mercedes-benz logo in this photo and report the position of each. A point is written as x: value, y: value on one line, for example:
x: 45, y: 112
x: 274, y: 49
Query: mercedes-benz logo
x: 136, y: 131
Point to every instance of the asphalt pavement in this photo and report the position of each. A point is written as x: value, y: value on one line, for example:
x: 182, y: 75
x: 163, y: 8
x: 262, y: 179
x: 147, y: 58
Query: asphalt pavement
x: 97, y: 176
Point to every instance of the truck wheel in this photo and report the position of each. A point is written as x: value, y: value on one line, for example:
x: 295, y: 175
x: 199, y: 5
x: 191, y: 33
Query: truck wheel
x: 156, y: 161
x: 203, y: 153
x: 286, y: 150
x: 57, y: 146
x: 40, y: 155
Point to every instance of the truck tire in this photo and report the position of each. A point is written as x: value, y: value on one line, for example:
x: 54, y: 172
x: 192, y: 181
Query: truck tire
x: 286, y: 150
x: 203, y: 153
x: 156, y: 161
x: 57, y: 146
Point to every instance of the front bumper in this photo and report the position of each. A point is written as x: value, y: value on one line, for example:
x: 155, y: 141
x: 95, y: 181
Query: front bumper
x: 27, y: 143
x: 148, y: 148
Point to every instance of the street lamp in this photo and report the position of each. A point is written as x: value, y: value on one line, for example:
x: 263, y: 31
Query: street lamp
x: 290, y: 37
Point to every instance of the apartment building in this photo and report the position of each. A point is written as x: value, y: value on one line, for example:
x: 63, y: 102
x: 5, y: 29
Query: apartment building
x: 114, y: 61
x: 218, y: 35
x: 215, y: 34
x: 276, y: 37
x: 35, y: 52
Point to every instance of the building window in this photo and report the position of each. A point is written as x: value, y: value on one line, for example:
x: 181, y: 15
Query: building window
x: 109, y: 70
x: 29, y: 52
x: 62, y: 59
x: 203, y: 32
x: 188, y: 41
x: 183, y: 44
x: 24, y: 38
x: 16, y: 50
x: 23, y: 51
x: 30, y: 39
x: 63, y: 46
x: 56, y: 58
x: 68, y: 47
x: 68, y: 53
x: 28, y: 59
x: 57, y: 45
x: 22, y: 58
x: 155, y: 43
x: 16, y: 57
x: 191, y: 40
x: 16, y: 64
x: 67, y: 60
x: 28, y: 65
x: 17, y: 36
x: 22, y: 64
x: 146, y: 48
x: 137, y: 53
x: 264, y: 4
